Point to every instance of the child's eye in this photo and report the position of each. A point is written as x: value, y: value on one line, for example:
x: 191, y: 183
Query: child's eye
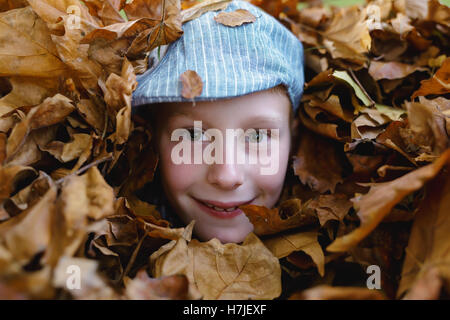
x: 258, y: 135
x: 197, y: 135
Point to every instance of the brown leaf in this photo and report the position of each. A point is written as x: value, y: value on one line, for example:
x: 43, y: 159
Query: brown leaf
x: 92, y: 113
x: 331, y: 207
x: 317, y: 163
x: 26, y: 46
x: 51, y: 11
x: 438, y: 84
x: 118, y: 89
x: 27, y: 91
x: 72, y: 150
x: 235, y: 18
x: 324, y: 292
x: 2, y: 147
x: 427, y: 287
x: 391, y: 70
x: 10, y: 176
x: 382, y: 197
x: 27, y: 234
x: 347, y: 36
x: 428, y: 125
x: 108, y: 11
x: 290, y: 214
x: 222, y: 271
x: 283, y: 245
x: 192, y: 84
x: 428, y: 246
x: 87, y: 196
x: 200, y: 8
x: 92, y: 285
x: 142, y: 287
x: 167, y: 29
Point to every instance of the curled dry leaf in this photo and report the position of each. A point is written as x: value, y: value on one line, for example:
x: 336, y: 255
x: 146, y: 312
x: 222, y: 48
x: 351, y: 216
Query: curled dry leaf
x: 427, y: 287
x: 91, y: 284
x: 391, y: 70
x: 381, y: 198
x: 28, y: 233
x: 198, y: 9
x: 235, y: 18
x: 142, y: 287
x: 167, y: 30
x: 87, y: 196
x: 438, y: 84
x: 427, y: 256
x: 283, y: 245
x: 317, y: 163
x: 192, y: 84
x: 325, y: 292
x: 290, y: 214
x: 347, y: 36
x: 331, y: 207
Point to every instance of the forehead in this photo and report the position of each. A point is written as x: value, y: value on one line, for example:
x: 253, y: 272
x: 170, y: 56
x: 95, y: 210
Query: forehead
x: 262, y: 104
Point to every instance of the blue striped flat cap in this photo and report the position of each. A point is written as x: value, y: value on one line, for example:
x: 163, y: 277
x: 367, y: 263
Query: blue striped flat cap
x: 231, y: 61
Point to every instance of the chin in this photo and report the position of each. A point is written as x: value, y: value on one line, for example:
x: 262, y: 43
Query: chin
x: 224, y: 235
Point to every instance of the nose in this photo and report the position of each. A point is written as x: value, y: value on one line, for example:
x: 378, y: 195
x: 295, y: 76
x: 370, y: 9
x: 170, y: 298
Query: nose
x: 225, y: 176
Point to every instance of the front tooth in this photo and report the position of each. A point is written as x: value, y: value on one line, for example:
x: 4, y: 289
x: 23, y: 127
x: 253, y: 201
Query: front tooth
x: 230, y: 209
x: 218, y: 209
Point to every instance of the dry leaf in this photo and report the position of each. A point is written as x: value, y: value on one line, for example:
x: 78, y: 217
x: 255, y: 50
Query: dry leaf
x: 438, y: 84
x: 222, y: 271
x: 192, y: 84
x: 200, y: 8
x: 324, y: 292
x: 428, y: 246
x: 142, y: 287
x: 317, y: 163
x: 235, y: 18
x: 382, y: 197
x: 283, y: 245
x: 290, y: 214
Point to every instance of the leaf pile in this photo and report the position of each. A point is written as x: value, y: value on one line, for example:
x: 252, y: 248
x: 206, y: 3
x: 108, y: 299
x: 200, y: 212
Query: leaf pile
x: 370, y: 171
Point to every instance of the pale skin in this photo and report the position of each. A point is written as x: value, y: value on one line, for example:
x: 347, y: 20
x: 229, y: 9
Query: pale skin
x: 189, y: 187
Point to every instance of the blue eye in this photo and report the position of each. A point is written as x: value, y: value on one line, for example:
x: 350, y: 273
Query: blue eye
x: 196, y: 135
x: 258, y: 135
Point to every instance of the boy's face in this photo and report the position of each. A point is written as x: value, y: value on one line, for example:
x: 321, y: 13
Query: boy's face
x: 210, y: 193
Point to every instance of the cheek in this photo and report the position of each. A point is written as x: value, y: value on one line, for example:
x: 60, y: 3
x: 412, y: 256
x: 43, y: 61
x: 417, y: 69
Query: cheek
x: 176, y: 177
x: 272, y: 184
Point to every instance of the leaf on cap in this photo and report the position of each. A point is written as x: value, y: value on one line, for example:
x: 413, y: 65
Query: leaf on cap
x: 235, y: 18
x: 202, y: 7
x: 192, y: 84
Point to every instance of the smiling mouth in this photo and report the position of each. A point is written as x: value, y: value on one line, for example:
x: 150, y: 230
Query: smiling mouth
x: 224, y: 210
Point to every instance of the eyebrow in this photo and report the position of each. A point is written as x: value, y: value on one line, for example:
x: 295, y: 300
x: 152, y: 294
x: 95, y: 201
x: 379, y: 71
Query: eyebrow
x: 265, y: 120
x: 260, y: 120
